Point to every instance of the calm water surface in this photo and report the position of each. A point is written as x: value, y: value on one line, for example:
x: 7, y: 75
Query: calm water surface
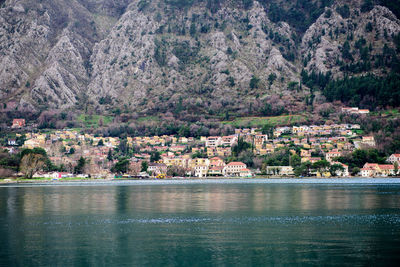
x: 201, y: 224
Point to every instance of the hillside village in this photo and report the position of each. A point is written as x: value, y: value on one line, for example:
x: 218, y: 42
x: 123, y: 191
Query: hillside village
x: 315, y: 148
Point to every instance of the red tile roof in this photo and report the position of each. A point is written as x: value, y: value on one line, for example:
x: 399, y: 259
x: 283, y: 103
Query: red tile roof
x: 236, y: 164
x: 386, y: 167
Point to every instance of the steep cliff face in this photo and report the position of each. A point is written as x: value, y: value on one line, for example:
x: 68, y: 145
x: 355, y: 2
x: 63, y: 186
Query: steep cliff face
x: 155, y: 56
x: 205, y: 56
x: 45, y: 47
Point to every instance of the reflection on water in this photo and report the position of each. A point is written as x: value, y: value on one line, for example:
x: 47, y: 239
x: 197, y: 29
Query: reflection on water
x: 178, y: 224
x: 201, y: 198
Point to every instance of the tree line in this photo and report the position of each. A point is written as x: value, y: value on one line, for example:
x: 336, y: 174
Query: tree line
x: 30, y: 161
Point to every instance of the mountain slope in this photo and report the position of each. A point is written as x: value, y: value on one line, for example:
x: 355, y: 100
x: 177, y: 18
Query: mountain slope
x: 45, y: 47
x: 189, y: 57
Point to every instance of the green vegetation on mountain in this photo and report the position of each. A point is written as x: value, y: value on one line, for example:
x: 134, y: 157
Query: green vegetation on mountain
x: 366, y: 91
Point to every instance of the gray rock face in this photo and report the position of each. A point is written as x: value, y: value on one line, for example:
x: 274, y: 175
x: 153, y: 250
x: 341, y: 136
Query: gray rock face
x: 210, y: 62
x: 64, y: 77
x: 147, y: 55
x: 45, y: 48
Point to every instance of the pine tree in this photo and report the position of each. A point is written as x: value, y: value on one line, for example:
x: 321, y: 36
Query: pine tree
x: 110, y: 155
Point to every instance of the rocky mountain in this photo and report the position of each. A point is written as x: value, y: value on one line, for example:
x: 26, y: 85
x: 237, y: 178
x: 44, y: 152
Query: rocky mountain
x: 187, y: 56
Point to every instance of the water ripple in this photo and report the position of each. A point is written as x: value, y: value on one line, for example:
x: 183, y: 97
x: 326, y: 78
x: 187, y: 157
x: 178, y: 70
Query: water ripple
x: 393, y: 219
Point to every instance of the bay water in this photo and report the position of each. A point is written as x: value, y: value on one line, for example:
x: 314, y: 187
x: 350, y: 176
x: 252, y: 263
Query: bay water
x: 203, y: 223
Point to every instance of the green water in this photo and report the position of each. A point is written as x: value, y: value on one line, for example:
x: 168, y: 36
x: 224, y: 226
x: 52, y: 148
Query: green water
x: 200, y: 225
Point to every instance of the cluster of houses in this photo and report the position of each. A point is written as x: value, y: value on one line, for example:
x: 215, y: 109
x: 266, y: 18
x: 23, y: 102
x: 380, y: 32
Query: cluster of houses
x: 374, y: 169
x: 201, y: 167
x: 318, y: 130
x: 208, y: 156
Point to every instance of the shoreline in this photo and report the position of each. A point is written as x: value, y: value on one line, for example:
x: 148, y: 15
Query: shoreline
x: 177, y: 181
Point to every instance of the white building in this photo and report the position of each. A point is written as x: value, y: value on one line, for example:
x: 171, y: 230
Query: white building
x: 368, y: 141
x: 394, y: 158
x: 213, y: 141
x: 234, y: 168
x: 200, y: 171
x: 367, y: 172
x: 12, y: 142
x: 280, y: 170
x: 329, y: 156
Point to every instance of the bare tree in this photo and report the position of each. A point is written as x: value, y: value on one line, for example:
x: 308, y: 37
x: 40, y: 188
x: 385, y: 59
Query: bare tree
x: 134, y: 168
x: 31, y: 163
x: 176, y: 171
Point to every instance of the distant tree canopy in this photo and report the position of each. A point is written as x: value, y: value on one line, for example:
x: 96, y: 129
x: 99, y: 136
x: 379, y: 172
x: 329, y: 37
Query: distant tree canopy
x: 254, y: 82
x: 271, y: 78
x: 121, y: 166
x: 344, y: 11
x: 278, y: 158
x: 9, y: 161
x: 184, y: 52
x: 180, y: 3
x: 145, y: 166
x: 240, y: 147
x: 318, y: 80
x: 79, y: 168
x: 359, y: 157
x: 368, y: 91
x: 335, y: 169
x: 110, y: 155
x: 367, y: 6
x: 376, y: 91
x: 155, y: 156
x: 299, y: 14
